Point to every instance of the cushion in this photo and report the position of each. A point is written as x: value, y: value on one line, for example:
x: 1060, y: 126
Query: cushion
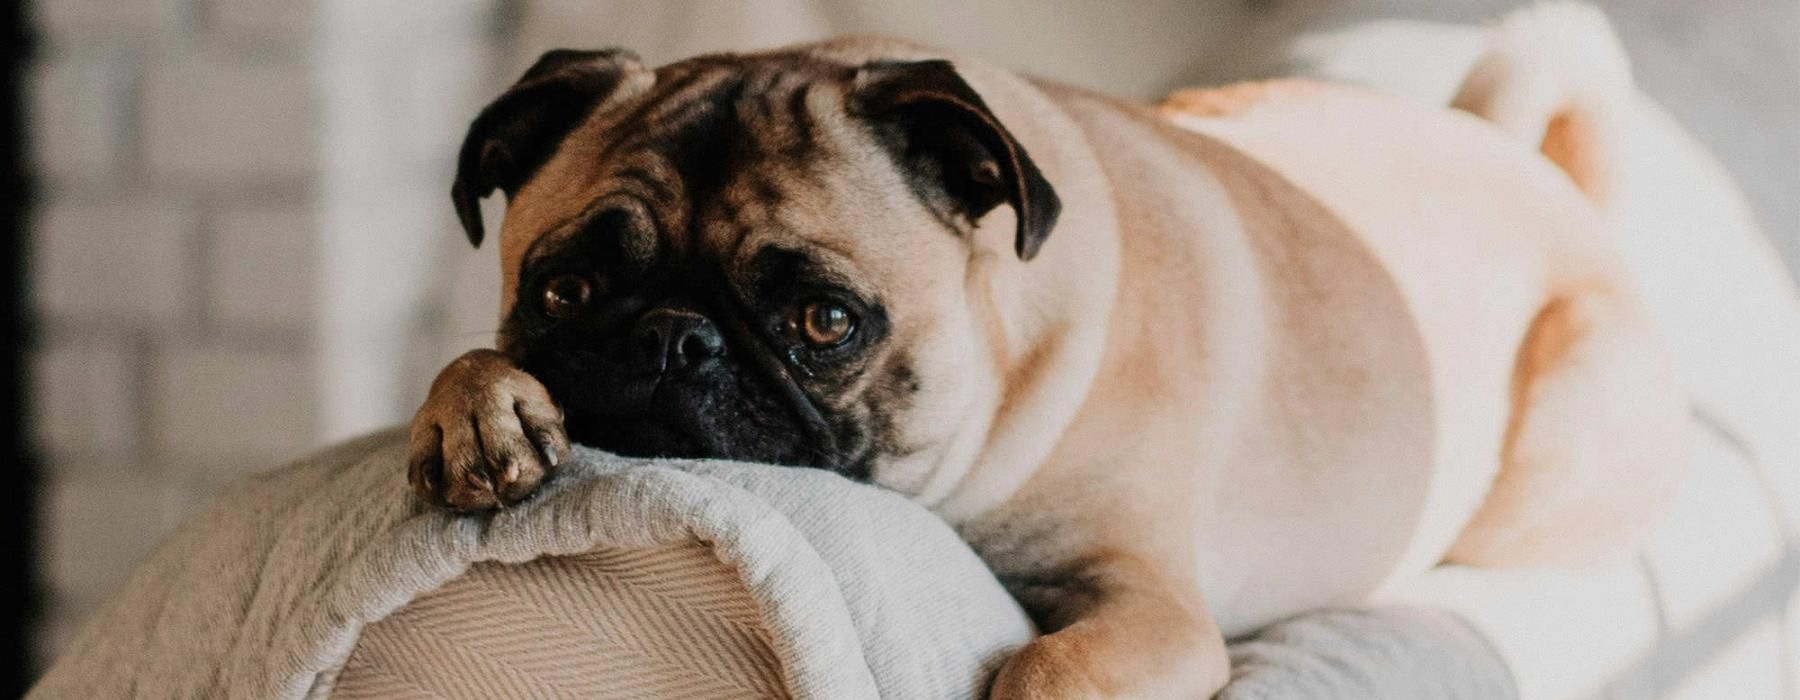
x: 618, y: 572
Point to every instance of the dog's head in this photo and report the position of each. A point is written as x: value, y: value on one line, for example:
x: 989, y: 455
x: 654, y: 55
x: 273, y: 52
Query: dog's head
x: 756, y: 257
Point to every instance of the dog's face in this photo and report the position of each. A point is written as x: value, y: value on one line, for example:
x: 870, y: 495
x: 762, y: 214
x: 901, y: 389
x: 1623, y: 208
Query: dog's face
x: 754, y: 257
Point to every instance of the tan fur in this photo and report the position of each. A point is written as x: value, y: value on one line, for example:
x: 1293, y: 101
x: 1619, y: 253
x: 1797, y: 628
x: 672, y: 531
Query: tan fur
x: 1569, y: 142
x: 1231, y: 100
x: 1120, y: 642
x: 1591, y: 409
x: 1554, y: 75
x: 1289, y: 343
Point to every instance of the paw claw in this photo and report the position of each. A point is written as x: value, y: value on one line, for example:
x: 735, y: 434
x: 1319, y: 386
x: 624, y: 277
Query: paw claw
x: 428, y: 480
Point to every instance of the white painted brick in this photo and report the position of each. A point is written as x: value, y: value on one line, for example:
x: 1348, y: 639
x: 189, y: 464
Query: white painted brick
x: 446, y: 80
x: 219, y: 120
x: 86, y: 16
x: 261, y: 267
x: 262, y: 18
x: 204, y: 475
x: 212, y: 402
x: 1791, y: 620
x: 85, y: 397
x: 79, y: 115
x: 121, y: 261
x: 99, y: 526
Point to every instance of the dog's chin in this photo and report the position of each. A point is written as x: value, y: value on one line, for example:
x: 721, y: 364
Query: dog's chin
x: 665, y: 438
x: 635, y: 437
x: 715, y: 413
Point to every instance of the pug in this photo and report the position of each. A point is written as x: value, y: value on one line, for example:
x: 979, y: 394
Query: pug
x: 1174, y: 372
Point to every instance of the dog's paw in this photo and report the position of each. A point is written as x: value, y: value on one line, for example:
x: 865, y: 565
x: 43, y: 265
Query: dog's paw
x: 486, y: 437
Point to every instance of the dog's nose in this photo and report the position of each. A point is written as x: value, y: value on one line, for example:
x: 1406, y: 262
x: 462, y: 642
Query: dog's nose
x: 669, y: 340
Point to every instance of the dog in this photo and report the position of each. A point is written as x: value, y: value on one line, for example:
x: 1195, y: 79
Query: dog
x: 1174, y: 372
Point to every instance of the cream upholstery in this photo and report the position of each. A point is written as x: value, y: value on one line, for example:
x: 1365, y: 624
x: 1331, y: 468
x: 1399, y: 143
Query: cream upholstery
x: 667, y: 622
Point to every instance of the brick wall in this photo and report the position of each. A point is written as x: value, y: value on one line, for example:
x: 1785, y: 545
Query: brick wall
x: 174, y: 142
x: 187, y: 283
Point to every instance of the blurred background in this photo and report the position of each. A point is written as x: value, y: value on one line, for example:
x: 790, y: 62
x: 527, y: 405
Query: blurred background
x: 236, y: 242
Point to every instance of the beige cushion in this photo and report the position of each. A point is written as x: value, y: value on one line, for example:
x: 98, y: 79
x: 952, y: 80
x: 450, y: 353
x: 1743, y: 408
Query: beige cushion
x: 667, y: 622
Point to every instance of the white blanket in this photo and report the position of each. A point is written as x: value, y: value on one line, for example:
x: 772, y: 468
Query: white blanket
x: 264, y: 594
x: 857, y: 592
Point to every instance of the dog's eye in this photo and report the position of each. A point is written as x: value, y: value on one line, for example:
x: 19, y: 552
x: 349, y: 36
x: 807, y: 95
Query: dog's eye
x: 566, y: 295
x: 823, y: 324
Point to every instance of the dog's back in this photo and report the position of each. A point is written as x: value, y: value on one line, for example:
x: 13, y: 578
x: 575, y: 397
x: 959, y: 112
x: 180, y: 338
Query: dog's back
x: 1499, y: 239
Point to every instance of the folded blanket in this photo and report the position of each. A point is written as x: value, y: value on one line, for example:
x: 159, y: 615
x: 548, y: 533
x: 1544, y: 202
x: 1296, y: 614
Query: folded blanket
x: 265, y: 593
x: 328, y: 570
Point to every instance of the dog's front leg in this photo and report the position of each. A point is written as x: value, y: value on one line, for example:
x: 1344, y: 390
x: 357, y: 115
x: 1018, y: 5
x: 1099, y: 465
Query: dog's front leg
x: 1115, y: 628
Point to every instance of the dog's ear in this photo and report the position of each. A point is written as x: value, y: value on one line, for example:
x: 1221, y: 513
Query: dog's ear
x: 512, y: 137
x: 942, y: 130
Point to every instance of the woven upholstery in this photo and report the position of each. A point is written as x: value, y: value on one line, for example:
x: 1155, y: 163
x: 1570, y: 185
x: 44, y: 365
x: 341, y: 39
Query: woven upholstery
x: 682, y: 626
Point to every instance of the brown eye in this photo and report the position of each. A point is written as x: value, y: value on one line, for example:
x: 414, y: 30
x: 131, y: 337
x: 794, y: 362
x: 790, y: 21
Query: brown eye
x: 824, y: 324
x: 566, y: 295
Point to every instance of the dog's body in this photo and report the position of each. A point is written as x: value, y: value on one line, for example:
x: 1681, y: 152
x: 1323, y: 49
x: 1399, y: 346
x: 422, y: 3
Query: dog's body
x: 1289, y: 342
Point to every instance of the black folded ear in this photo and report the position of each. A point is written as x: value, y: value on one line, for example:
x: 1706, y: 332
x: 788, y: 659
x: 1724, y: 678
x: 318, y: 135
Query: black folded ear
x: 513, y: 137
x: 941, y: 130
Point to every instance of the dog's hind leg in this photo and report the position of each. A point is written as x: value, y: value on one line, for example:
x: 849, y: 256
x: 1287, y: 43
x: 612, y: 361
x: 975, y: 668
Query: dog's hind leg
x: 1595, y: 443
x: 1595, y: 440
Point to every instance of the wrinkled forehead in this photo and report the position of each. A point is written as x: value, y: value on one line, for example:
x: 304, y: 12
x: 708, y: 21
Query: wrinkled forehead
x: 708, y: 144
